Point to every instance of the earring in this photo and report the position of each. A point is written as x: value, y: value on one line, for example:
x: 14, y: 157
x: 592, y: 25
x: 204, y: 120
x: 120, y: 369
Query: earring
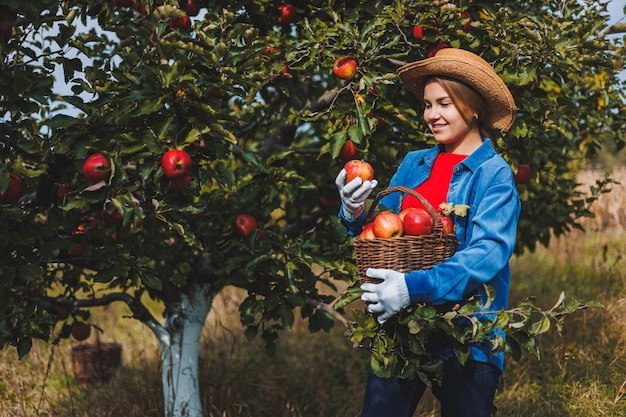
x: 476, y: 116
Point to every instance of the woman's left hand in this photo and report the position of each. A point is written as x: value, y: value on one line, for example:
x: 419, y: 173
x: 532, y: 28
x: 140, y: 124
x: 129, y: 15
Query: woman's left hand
x: 388, y: 297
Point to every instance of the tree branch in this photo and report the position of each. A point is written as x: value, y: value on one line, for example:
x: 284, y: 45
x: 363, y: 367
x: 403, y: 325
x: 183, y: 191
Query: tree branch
x: 328, y: 309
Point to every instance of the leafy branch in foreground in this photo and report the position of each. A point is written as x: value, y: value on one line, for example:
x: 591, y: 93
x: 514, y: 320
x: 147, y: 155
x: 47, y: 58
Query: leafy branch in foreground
x: 406, y: 346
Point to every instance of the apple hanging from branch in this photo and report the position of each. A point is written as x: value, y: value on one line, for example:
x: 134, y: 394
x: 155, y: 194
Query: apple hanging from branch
x: 245, y: 224
x: 287, y: 14
x: 14, y: 191
x: 345, y: 67
x: 96, y: 168
x: 347, y: 151
x: 175, y: 163
x: 524, y: 174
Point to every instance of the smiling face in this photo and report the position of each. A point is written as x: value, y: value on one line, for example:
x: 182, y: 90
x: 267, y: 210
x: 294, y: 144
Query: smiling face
x: 452, y: 121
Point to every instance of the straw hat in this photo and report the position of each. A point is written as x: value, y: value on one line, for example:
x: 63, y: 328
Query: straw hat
x: 470, y: 69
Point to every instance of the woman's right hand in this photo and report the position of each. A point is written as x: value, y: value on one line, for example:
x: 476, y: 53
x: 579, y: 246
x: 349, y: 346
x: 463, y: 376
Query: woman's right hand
x: 353, y: 194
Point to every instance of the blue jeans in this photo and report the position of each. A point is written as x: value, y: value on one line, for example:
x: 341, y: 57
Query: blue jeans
x: 466, y: 391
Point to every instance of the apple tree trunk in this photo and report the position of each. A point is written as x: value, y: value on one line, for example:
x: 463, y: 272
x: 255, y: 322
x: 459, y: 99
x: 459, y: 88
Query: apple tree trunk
x: 179, y: 341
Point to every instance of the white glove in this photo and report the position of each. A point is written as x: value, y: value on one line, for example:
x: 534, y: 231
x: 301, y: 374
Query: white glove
x: 353, y: 194
x: 387, y: 297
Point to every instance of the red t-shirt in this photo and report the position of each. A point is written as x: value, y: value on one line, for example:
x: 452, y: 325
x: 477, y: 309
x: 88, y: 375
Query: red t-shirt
x: 435, y: 188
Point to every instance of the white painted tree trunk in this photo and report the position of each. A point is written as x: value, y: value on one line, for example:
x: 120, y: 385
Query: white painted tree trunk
x: 179, y: 342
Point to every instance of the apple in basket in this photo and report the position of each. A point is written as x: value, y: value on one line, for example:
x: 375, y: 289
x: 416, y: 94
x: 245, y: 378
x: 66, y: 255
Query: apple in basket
x: 387, y: 224
x: 416, y: 221
x: 448, y: 224
x: 367, y: 232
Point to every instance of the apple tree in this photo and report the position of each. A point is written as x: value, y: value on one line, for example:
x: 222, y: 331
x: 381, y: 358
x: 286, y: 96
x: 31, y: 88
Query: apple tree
x: 181, y: 116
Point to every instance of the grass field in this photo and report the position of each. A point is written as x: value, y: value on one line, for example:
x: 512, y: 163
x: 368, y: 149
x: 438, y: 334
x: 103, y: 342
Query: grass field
x: 582, y: 372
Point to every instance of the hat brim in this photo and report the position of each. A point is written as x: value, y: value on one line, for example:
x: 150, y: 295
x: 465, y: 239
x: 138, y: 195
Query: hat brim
x: 469, y: 69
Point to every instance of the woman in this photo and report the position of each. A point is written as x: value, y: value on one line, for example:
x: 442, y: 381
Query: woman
x: 463, y: 99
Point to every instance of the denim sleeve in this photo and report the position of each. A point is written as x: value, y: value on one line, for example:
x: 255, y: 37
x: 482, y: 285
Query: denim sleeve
x: 353, y: 226
x: 483, y: 257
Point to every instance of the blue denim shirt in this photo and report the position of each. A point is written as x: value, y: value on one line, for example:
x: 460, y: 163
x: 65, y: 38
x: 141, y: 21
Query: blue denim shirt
x: 487, y: 235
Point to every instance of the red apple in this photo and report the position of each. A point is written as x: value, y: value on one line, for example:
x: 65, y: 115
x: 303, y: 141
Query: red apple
x: 245, y: 224
x: 176, y: 163
x: 468, y: 25
x: 418, y: 32
x: 180, y: 182
x: 524, y: 174
x: 269, y: 51
x: 192, y: 8
x: 448, y: 224
x: 368, y: 232
x: 5, y: 32
x: 62, y: 312
x: 183, y: 23
x: 14, y: 191
x: 358, y: 168
x: 62, y: 193
x: 416, y: 221
x: 213, y: 93
x: 345, y: 67
x: 288, y: 14
x: 96, y: 168
x: 80, y: 331
x: 347, y: 151
x: 87, y: 224
x: 436, y: 47
x: 113, y: 217
x: 77, y: 249
x: 387, y: 224
x: 141, y: 7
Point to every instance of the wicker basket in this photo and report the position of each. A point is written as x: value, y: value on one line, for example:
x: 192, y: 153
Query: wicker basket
x: 95, y: 362
x: 404, y: 253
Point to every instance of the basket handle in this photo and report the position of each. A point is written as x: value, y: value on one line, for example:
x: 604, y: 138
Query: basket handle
x: 437, y: 223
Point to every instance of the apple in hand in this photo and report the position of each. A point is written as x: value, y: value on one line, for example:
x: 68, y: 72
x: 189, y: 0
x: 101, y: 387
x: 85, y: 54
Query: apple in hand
x: 387, y: 224
x: 367, y: 232
x: 524, y: 174
x: 416, y: 221
x: 288, y: 14
x: 345, y: 67
x: 347, y: 151
x: 14, y: 191
x: 245, y: 224
x: 96, y: 168
x: 358, y: 168
x: 175, y: 163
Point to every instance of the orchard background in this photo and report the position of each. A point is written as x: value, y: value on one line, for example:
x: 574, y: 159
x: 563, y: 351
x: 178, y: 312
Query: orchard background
x: 247, y: 90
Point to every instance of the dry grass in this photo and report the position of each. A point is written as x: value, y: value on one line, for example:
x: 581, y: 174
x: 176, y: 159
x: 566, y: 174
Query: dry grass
x: 582, y: 372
